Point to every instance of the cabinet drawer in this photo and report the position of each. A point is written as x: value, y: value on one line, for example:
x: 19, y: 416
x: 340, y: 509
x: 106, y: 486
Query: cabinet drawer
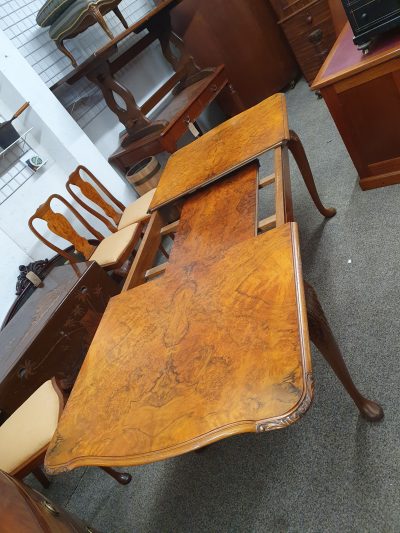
x: 373, y: 12
x: 311, y: 36
x: 285, y: 8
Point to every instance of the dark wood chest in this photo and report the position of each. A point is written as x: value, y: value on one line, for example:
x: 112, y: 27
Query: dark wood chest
x: 371, y: 17
x: 49, y: 336
x: 309, y: 29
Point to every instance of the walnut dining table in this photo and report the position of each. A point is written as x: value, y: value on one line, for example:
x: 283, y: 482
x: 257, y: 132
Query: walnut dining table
x: 219, y: 344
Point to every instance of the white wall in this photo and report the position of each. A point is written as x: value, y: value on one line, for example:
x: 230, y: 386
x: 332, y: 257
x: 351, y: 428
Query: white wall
x: 57, y: 135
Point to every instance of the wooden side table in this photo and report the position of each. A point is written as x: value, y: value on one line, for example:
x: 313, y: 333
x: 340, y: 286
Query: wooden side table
x: 362, y: 93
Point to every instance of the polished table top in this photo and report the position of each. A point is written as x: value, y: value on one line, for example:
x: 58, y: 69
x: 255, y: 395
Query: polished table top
x: 218, y: 345
x: 225, y: 148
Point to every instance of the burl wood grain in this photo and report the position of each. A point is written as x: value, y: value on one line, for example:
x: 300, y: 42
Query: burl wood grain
x: 223, y: 149
x: 217, y: 346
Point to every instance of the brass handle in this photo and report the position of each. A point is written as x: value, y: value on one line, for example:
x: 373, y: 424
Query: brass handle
x: 50, y: 507
x: 316, y: 36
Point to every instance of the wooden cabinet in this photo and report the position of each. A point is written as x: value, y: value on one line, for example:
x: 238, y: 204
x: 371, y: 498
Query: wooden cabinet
x: 309, y: 29
x: 49, y: 336
x: 245, y: 37
x: 362, y: 93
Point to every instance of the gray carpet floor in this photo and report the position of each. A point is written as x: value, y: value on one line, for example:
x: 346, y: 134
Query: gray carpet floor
x: 331, y: 471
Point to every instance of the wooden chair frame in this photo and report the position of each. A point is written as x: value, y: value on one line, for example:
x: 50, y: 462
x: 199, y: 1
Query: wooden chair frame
x: 90, y: 192
x: 59, y: 224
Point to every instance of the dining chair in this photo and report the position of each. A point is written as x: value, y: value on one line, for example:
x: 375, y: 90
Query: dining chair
x: 115, y: 215
x: 26, y: 434
x: 110, y: 253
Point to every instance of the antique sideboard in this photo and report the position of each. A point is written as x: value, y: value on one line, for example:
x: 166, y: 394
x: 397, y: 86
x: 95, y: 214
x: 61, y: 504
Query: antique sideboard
x: 50, y: 334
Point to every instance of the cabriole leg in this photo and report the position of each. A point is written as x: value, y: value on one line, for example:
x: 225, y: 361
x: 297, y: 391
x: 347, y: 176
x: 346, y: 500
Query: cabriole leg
x: 321, y: 335
x: 297, y: 149
x: 123, y: 478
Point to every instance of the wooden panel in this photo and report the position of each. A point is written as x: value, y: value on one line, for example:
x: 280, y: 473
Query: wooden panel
x: 223, y: 216
x: 221, y: 150
x: 251, y: 45
x: 374, y: 112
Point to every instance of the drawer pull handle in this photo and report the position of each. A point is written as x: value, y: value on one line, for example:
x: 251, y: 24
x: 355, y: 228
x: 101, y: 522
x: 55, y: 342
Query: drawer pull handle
x: 50, y: 508
x: 315, y: 36
x: 213, y: 88
x: 309, y: 19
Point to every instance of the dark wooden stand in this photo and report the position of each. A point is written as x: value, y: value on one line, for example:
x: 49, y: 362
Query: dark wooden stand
x: 188, y: 83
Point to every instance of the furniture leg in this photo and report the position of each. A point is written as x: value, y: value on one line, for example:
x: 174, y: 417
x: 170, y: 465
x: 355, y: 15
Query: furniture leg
x: 121, y: 17
x: 96, y: 13
x: 123, y: 478
x: 183, y: 62
x: 321, y: 335
x: 40, y: 476
x: 297, y: 149
x: 136, y: 123
x: 66, y: 52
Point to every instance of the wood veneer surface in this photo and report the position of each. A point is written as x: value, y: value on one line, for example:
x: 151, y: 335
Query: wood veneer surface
x: 217, y: 346
x: 223, y: 149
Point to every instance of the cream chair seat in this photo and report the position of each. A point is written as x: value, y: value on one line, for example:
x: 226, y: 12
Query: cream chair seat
x: 137, y: 211
x: 113, y: 248
x: 27, y: 433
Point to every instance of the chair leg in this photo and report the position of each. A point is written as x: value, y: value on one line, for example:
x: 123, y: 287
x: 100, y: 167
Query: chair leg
x: 96, y: 13
x: 118, y: 13
x: 297, y: 149
x: 123, y: 478
x: 321, y: 335
x: 40, y: 476
x: 65, y: 51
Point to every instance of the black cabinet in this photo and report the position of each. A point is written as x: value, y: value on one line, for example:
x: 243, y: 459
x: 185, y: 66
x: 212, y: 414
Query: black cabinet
x: 371, y: 17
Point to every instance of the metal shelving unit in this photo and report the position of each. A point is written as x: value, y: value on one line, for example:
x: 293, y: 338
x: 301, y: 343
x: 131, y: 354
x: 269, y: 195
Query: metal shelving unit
x: 14, y: 169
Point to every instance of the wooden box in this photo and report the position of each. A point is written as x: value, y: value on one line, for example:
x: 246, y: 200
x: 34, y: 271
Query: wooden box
x: 49, y: 336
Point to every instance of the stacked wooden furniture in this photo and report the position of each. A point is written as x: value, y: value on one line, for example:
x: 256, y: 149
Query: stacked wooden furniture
x: 309, y: 29
x: 192, y: 89
x: 219, y: 344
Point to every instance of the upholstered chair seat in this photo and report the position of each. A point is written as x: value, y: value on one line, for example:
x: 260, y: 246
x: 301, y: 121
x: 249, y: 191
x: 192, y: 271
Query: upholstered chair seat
x: 68, y: 18
x: 27, y: 433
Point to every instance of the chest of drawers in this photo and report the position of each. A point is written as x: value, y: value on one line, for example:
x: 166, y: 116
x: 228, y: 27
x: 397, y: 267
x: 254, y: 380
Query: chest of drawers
x: 309, y: 29
x: 371, y: 17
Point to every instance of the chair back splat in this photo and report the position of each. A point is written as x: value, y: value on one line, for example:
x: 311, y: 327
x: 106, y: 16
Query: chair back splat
x: 61, y: 226
x: 88, y: 190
